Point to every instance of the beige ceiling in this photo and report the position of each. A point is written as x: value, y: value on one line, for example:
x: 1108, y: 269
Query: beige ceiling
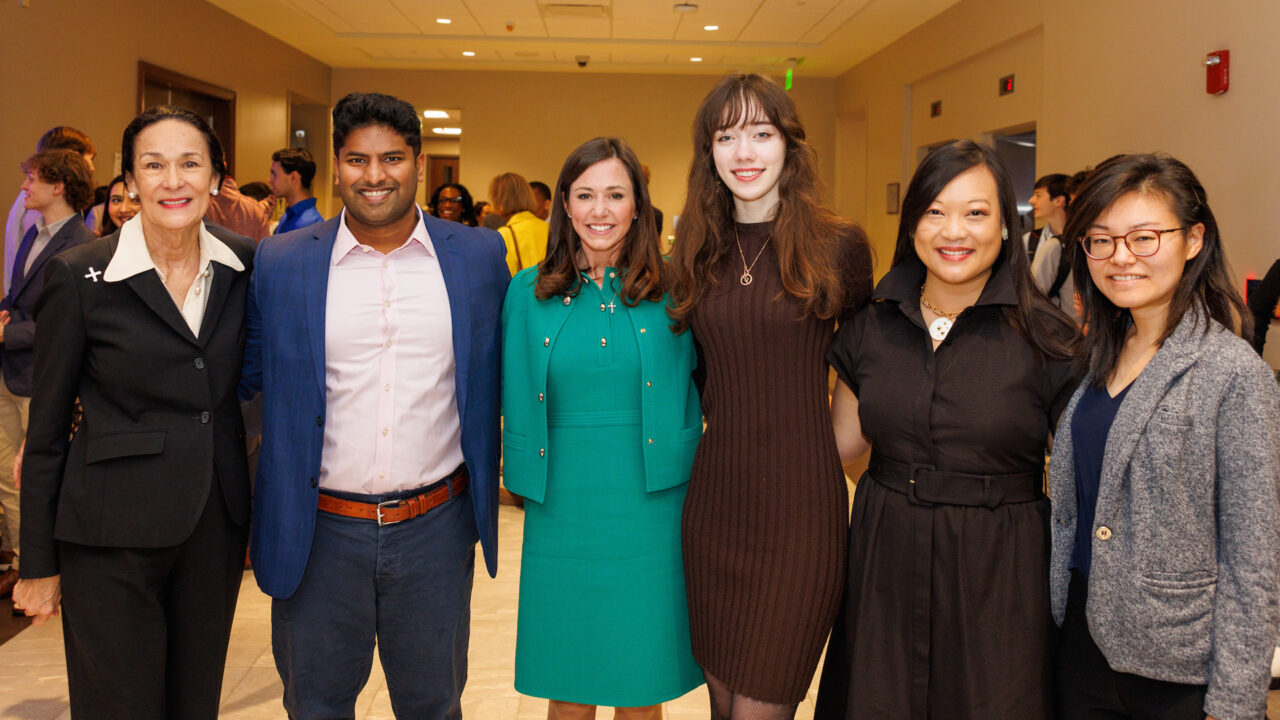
x: 649, y: 36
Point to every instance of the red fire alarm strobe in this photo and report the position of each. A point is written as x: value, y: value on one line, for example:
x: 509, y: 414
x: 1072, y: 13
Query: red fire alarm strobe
x: 1217, y: 72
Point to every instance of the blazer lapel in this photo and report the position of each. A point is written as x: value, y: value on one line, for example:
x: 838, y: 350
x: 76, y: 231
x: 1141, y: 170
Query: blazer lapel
x: 147, y: 285
x: 19, y: 275
x: 453, y: 267
x: 57, y: 244
x: 315, y: 291
x: 1170, y: 361
x: 219, y: 289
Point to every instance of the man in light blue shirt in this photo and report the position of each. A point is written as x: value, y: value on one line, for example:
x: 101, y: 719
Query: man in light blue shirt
x: 292, y: 170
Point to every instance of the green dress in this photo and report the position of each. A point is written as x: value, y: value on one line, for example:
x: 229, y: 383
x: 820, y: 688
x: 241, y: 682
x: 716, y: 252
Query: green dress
x: 603, y: 618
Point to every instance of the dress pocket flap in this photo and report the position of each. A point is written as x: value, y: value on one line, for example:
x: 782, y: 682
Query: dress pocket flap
x: 123, y: 444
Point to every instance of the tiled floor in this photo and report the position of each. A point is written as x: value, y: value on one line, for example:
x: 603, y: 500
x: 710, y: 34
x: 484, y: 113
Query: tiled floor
x: 33, y: 678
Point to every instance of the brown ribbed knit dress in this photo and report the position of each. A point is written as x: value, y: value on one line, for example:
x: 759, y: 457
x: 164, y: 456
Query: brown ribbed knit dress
x: 766, y: 513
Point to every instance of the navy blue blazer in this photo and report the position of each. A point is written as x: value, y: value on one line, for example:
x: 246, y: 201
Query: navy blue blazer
x: 284, y: 359
x: 20, y: 334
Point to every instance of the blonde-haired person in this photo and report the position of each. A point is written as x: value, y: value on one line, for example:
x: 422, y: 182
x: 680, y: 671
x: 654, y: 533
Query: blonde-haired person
x: 525, y: 235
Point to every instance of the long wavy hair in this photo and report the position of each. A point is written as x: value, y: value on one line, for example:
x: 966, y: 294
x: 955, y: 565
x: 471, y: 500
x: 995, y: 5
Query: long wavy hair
x: 1205, y: 288
x: 807, y: 236
x: 644, y: 274
x: 1044, y: 326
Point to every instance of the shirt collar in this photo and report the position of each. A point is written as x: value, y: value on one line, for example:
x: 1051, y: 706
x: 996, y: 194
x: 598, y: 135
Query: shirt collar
x: 903, y: 281
x: 300, y: 206
x: 345, y: 243
x: 132, y: 257
x: 54, y: 228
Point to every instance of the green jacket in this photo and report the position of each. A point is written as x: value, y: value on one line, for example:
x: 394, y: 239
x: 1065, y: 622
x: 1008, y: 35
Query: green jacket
x: 671, y: 415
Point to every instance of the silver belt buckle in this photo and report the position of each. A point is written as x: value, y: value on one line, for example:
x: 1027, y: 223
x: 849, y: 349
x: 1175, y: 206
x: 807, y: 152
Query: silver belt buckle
x: 388, y: 503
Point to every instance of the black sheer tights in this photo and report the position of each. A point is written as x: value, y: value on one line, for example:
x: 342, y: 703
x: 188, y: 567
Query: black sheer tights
x: 728, y: 705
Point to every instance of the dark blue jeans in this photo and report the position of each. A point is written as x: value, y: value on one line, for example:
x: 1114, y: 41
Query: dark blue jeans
x: 406, y: 585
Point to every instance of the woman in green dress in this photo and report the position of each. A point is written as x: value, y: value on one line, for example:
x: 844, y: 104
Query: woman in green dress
x: 601, y: 423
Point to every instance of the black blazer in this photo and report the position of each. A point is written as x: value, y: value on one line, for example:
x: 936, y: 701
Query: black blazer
x: 16, y: 354
x: 161, y: 416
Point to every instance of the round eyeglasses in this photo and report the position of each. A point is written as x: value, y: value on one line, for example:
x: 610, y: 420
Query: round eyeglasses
x: 1143, y: 243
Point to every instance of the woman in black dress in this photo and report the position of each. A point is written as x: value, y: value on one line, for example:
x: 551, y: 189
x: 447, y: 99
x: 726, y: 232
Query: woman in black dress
x: 956, y: 374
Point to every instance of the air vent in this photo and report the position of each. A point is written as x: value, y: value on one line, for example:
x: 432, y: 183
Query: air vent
x: 525, y: 54
x: 575, y: 10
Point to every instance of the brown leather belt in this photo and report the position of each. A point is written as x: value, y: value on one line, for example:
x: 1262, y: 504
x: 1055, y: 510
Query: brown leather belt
x: 390, y: 512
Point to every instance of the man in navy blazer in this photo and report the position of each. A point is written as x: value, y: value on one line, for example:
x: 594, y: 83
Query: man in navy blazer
x: 375, y: 340
x: 59, y: 184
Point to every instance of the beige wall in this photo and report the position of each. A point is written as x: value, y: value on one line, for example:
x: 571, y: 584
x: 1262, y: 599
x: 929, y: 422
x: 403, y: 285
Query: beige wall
x: 529, y: 122
x: 1090, y: 88
x: 75, y: 62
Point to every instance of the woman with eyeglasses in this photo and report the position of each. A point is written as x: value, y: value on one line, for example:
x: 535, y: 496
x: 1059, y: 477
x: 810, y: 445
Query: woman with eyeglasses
x: 1165, y: 475
x: 452, y: 201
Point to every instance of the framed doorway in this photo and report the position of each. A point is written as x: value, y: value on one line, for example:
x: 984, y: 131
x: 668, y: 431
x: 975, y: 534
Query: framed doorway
x: 217, y: 105
x: 442, y: 169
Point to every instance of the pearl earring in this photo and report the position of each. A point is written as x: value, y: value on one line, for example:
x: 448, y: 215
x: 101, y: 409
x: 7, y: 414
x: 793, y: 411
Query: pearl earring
x: 133, y: 195
x: 1004, y: 233
x: 213, y: 191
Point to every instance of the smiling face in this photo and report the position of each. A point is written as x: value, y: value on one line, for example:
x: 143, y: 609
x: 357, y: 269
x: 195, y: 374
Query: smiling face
x: 1143, y: 284
x: 601, y: 205
x: 377, y: 176
x: 958, y: 237
x: 120, y: 206
x: 449, y: 204
x: 749, y: 160
x: 172, y: 175
x: 40, y: 194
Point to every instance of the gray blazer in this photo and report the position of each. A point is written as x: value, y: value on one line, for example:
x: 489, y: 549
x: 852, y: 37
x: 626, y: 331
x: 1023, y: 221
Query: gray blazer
x: 1185, y: 580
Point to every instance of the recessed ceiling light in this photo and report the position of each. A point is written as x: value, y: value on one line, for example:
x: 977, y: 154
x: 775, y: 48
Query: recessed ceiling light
x: 710, y: 27
x: 447, y: 131
x: 435, y: 114
x: 444, y: 21
x: 695, y: 59
x: 468, y: 53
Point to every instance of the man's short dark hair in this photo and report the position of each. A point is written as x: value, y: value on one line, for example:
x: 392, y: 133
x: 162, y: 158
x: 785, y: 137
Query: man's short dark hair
x: 297, y: 160
x: 1054, y: 184
x: 357, y: 110
x: 544, y: 192
x: 66, y: 138
x: 67, y: 167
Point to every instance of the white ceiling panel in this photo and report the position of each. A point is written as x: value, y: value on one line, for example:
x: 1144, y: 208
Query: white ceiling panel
x: 838, y: 16
x: 371, y: 16
x: 323, y: 15
x: 639, y: 55
x: 785, y: 20
x: 574, y: 27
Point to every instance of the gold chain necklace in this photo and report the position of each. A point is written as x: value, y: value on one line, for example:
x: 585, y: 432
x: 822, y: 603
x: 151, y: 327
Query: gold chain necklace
x: 746, y: 269
x: 939, y: 328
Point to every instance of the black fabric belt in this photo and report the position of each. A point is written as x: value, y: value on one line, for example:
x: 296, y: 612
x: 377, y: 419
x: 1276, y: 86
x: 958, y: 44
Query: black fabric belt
x: 924, y: 485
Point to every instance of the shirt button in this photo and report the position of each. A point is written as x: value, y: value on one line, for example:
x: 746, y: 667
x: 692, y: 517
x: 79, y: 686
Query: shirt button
x: 540, y: 397
x: 612, y: 274
x: 650, y: 441
x: 604, y: 343
x: 204, y: 417
x: 601, y: 307
x: 1103, y: 533
x: 641, y: 331
x: 319, y: 421
x: 381, y: 475
x: 388, y: 343
x: 649, y: 384
x: 386, y: 388
x: 546, y: 342
x: 566, y: 300
x: 388, y: 303
x: 197, y: 291
x: 313, y: 482
x: 385, y: 431
x: 542, y: 452
x: 199, y: 363
x: 365, y: 250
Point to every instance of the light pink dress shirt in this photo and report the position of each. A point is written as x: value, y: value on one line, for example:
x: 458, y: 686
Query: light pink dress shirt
x: 392, y: 415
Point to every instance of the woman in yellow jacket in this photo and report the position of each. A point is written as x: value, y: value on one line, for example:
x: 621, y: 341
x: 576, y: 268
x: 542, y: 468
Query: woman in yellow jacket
x: 524, y: 233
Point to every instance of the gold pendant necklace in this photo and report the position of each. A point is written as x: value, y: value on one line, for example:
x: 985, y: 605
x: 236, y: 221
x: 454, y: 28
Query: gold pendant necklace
x: 746, y: 269
x: 939, y: 328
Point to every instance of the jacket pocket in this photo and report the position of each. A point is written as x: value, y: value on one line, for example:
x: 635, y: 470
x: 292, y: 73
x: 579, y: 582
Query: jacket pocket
x: 123, y: 444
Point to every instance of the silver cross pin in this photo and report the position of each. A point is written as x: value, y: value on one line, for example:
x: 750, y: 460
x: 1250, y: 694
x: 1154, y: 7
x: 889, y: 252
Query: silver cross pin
x: 93, y: 274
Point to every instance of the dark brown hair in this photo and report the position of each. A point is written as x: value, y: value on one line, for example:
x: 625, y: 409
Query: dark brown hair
x: 643, y: 270
x: 1205, y: 287
x: 67, y: 167
x: 1044, y: 326
x: 808, y: 238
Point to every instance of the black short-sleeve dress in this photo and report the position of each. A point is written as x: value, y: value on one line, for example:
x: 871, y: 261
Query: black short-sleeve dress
x: 946, y: 608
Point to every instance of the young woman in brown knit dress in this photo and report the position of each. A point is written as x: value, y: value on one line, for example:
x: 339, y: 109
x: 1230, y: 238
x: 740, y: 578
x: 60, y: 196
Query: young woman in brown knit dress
x: 762, y: 272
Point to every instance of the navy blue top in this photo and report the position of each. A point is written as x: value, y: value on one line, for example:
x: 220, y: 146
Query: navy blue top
x: 1089, y: 428
x: 299, y: 215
